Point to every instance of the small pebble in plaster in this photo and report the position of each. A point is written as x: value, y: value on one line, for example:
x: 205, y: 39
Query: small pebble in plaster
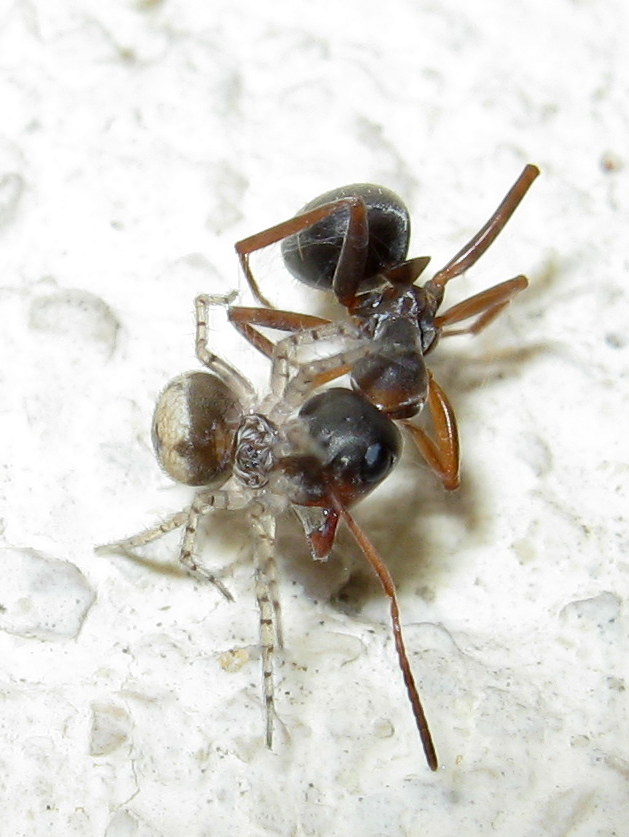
x: 525, y: 550
x: 383, y: 728
x: 78, y: 314
x: 234, y: 659
x: 615, y: 341
x: 110, y: 728
x: 11, y: 190
x: 41, y: 597
x: 611, y: 162
x: 601, y: 611
x: 337, y: 647
x: 193, y: 270
x: 125, y: 824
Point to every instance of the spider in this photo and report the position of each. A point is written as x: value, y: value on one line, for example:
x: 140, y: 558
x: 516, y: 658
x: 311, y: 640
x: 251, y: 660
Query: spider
x: 293, y: 450
x: 354, y: 241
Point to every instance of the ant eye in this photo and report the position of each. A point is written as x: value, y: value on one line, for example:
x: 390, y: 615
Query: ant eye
x: 377, y: 462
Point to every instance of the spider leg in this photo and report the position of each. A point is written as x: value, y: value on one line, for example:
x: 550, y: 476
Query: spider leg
x: 263, y: 525
x: 224, y: 370
x: 204, y: 501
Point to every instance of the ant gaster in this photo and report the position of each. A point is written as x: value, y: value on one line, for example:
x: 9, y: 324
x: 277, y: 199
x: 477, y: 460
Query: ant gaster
x: 327, y: 450
x: 354, y: 241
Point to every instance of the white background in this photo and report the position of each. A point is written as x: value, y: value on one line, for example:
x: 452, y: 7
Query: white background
x: 138, y: 142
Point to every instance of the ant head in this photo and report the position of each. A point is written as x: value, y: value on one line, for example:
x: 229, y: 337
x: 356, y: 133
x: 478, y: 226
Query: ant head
x: 344, y: 448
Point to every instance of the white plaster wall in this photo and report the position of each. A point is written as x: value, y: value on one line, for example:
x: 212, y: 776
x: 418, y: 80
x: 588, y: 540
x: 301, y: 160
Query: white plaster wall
x: 138, y: 142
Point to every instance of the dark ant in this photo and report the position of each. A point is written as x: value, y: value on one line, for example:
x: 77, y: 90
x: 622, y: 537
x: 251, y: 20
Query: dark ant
x: 327, y: 451
x: 354, y: 241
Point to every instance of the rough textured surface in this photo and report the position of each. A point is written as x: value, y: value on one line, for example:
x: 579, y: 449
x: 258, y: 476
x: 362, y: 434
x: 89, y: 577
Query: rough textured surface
x: 138, y: 141
x: 42, y: 598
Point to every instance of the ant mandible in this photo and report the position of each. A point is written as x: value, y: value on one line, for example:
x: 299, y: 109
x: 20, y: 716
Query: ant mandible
x: 292, y: 450
x: 354, y: 241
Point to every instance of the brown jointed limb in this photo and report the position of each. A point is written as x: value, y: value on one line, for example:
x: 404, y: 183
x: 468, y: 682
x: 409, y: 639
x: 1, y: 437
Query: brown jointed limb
x: 305, y: 329
x: 244, y: 320
x: 253, y: 336
x: 294, y: 389
x: 478, y: 244
x: 485, y: 305
x: 442, y: 454
x: 291, y: 377
x: 388, y: 586
x: 351, y: 263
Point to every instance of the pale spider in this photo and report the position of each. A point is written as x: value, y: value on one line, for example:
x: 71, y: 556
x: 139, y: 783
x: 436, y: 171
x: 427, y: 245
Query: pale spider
x: 293, y: 450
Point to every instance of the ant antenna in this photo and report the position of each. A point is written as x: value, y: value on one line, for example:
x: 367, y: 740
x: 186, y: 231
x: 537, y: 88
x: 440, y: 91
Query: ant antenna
x: 388, y: 586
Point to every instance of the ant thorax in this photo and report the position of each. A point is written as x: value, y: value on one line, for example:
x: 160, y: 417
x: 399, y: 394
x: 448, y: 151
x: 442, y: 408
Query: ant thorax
x: 393, y: 374
x: 381, y: 311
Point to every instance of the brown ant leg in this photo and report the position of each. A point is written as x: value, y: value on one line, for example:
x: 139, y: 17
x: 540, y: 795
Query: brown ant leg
x: 306, y: 329
x: 351, y: 264
x: 442, y: 454
x: 478, y: 244
x: 487, y: 304
x: 244, y: 320
x: 384, y: 576
x: 291, y: 389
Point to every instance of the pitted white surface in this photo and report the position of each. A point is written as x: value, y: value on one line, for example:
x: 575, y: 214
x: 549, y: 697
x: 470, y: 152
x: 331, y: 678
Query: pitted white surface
x: 138, y: 142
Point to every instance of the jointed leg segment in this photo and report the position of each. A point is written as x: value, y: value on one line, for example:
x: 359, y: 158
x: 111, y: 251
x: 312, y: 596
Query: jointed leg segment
x: 485, y: 306
x: 441, y: 454
x: 263, y: 525
x: 224, y: 370
x: 204, y: 501
x: 352, y: 258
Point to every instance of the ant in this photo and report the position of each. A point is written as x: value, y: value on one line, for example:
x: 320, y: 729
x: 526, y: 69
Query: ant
x: 293, y: 450
x: 354, y: 241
